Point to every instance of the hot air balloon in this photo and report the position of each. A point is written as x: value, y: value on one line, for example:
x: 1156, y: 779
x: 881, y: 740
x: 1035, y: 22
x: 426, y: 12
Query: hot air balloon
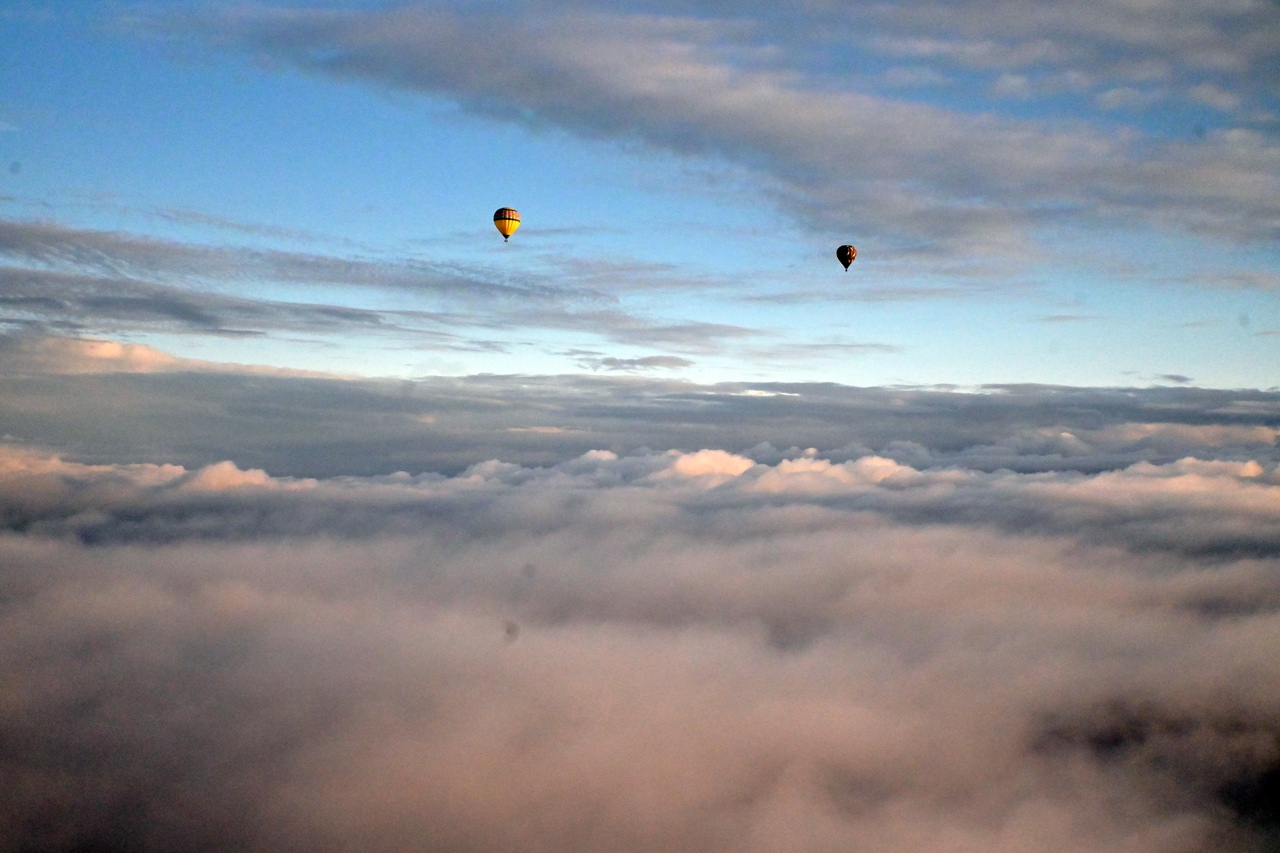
x: 506, y: 220
x: 846, y: 255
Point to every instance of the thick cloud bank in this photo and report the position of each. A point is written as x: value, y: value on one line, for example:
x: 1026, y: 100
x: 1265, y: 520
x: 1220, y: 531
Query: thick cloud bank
x: 106, y: 402
x: 682, y: 651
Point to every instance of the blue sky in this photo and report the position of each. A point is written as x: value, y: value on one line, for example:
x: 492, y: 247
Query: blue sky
x: 1062, y: 193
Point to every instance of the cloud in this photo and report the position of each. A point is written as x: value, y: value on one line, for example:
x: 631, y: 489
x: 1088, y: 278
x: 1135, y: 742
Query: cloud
x: 651, y: 362
x: 32, y: 354
x: 1068, y: 318
x: 108, y: 283
x: 1184, y: 435
x: 1250, y: 279
x: 225, y: 475
x: 540, y: 430
x: 785, y: 352
x: 65, y: 395
x: 1216, y: 97
x: 105, y: 282
x: 891, y: 293
x: 661, y: 650
x: 709, y: 463
x: 69, y: 355
x: 1013, y: 86
x: 912, y: 76
x: 941, y: 182
x: 1118, y: 41
x: 127, y: 258
x: 1128, y: 97
x: 624, y: 328
x: 201, y: 219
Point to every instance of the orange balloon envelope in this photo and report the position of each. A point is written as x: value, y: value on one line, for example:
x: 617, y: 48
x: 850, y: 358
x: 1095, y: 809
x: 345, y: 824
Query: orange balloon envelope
x: 506, y: 220
x: 846, y: 254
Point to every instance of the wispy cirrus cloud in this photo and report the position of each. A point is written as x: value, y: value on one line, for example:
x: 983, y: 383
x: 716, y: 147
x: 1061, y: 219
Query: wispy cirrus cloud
x: 110, y: 282
x: 127, y: 256
x: 1068, y: 318
x: 631, y: 365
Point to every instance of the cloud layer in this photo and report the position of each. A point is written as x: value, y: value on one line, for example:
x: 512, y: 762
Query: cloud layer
x: 100, y: 401
x: 253, y: 608
x: 984, y: 635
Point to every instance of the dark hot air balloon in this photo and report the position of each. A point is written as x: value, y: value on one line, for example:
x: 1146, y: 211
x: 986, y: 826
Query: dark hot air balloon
x: 846, y: 254
x: 506, y: 220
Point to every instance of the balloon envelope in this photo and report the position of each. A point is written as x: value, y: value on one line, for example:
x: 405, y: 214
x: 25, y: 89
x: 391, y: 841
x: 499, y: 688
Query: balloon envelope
x: 506, y: 220
x: 846, y: 254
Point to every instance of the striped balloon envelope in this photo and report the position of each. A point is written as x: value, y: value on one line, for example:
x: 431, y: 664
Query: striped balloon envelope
x: 506, y: 220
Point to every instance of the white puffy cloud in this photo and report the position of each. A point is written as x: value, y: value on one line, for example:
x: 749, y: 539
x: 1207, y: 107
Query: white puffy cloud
x: 715, y: 463
x: 227, y: 475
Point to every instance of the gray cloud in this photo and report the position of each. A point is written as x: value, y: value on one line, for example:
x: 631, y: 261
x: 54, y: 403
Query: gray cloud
x: 625, y: 328
x: 652, y: 362
x: 1108, y: 42
x: 1219, y: 506
x: 108, y: 282
x: 104, y: 402
x: 122, y: 257
x: 112, y: 304
x: 938, y: 180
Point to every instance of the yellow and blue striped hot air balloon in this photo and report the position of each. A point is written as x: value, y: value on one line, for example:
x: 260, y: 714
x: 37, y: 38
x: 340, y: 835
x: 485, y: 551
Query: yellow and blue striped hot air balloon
x: 506, y: 220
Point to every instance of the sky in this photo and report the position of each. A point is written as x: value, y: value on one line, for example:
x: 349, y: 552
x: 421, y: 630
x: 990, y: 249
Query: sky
x: 1062, y: 193
x: 329, y: 521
